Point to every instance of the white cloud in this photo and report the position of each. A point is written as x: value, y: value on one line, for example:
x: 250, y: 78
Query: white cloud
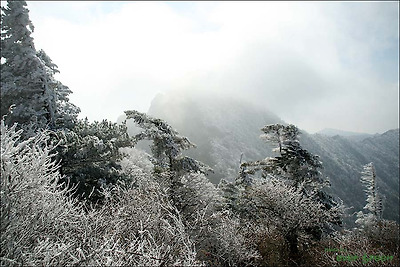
x: 314, y: 64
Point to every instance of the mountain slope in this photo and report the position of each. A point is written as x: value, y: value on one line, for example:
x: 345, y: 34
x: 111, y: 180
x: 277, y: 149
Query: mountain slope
x: 224, y: 128
x: 343, y: 160
x: 221, y: 128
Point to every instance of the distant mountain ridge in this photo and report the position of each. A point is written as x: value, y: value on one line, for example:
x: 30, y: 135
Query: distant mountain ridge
x: 347, y: 134
x: 223, y: 129
x: 333, y: 132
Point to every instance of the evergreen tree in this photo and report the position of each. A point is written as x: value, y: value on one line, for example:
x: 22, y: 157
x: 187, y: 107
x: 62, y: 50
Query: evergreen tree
x: 89, y: 155
x: 167, y: 144
x: 293, y: 163
x: 295, y: 170
x: 169, y: 163
x: 65, y: 113
x: 30, y: 94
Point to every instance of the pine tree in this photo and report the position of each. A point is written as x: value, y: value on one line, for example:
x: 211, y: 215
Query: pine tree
x: 294, y: 163
x: 167, y: 144
x: 30, y: 95
x: 64, y: 112
x: 22, y: 71
x: 89, y: 155
x: 170, y: 165
x: 295, y: 170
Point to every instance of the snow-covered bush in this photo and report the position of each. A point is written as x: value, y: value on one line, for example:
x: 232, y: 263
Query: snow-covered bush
x: 197, y: 193
x: 231, y: 242
x: 140, y: 227
x: 287, y: 206
x: 42, y: 225
x: 38, y: 221
x: 221, y: 238
x: 136, y: 164
x: 354, y: 248
x: 273, y: 204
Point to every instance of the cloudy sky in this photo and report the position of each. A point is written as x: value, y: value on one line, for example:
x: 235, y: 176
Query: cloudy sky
x: 317, y: 65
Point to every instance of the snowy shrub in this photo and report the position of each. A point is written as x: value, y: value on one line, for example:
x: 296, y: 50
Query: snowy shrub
x: 135, y: 159
x: 197, y: 193
x: 234, y: 243
x: 288, y: 206
x: 136, y: 165
x: 354, y: 248
x: 141, y: 228
x: 220, y: 237
x: 282, y: 212
x: 42, y: 225
x: 37, y: 219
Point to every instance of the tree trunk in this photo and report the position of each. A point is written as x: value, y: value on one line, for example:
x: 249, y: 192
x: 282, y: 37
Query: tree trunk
x: 292, y: 240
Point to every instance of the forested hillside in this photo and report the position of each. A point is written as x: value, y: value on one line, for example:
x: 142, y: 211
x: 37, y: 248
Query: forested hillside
x: 238, y: 129
x: 76, y: 192
x: 343, y: 159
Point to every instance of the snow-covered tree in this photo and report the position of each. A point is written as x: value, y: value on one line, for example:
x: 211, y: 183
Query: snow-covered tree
x: 167, y: 148
x: 374, y: 205
x: 230, y: 195
x: 298, y: 217
x: 293, y: 163
x: 167, y: 144
x: 278, y: 133
x: 65, y: 113
x: 30, y: 94
x: 294, y: 177
x: 89, y: 155
x: 183, y: 179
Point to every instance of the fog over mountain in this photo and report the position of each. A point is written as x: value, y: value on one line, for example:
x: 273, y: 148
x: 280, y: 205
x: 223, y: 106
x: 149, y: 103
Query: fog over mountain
x: 316, y: 64
x: 222, y: 128
x: 227, y: 130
